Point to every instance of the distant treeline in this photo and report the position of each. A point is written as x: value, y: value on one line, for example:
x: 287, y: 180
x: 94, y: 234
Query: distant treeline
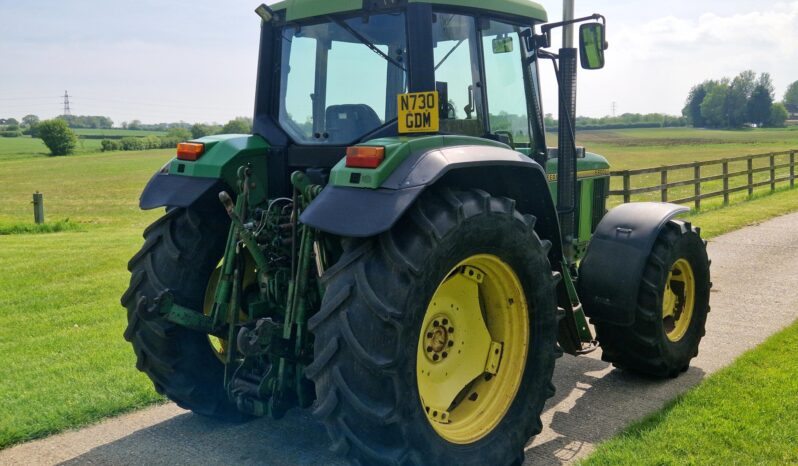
x: 733, y: 103
x: 175, y: 135
x: 88, y: 121
x: 623, y: 121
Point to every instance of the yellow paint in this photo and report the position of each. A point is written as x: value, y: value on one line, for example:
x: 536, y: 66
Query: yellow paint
x: 418, y: 112
x: 472, y: 349
x: 219, y: 345
x: 583, y: 174
x: 678, y: 300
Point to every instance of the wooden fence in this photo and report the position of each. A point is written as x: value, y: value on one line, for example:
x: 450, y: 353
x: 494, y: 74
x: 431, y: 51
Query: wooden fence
x: 757, y: 171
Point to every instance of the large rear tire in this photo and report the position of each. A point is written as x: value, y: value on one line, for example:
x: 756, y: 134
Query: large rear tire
x: 390, y: 316
x: 672, y: 308
x: 180, y: 252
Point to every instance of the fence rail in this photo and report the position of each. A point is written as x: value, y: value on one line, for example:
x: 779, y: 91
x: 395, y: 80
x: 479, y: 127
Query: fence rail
x: 701, y: 178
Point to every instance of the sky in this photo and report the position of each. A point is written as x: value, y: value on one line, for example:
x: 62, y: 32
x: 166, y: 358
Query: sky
x: 196, y: 61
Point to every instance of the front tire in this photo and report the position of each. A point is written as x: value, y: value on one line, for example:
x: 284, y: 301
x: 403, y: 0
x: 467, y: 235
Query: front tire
x: 375, y: 336
x: 180, y: 252
x: 671, y: 314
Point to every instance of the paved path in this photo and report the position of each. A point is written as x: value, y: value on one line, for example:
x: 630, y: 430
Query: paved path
x: 755, y: 271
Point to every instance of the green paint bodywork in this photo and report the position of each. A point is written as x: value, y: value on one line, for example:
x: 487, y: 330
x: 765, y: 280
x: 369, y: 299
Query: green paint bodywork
x: 223, y: 155
x: 302, y: 9
x: 397, y: 149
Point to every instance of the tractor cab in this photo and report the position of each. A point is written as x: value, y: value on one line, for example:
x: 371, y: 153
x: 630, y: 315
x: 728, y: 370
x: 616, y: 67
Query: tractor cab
x: 329, y: 79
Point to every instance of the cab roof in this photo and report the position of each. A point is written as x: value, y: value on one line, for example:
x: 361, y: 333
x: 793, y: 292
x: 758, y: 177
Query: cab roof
x: 301, y: 9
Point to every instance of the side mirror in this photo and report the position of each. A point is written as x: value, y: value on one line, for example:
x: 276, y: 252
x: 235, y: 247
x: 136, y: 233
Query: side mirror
x: 502, y: 45
x: 592, y: 45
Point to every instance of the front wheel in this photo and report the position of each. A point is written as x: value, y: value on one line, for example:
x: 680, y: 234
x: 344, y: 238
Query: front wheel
x: 672, y: 308
x: 436, y: 341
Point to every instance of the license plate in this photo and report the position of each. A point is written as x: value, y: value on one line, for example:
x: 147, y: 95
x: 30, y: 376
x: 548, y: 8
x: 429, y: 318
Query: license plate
x: 418, y: 112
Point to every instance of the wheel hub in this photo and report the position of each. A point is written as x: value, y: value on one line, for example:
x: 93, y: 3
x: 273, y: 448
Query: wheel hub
x: 678, y: 300
x: 439, y: 338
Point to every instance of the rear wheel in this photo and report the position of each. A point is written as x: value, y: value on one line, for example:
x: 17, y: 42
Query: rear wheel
x: 435, y: 343
x: 180, y: 252
x: 671, y: 314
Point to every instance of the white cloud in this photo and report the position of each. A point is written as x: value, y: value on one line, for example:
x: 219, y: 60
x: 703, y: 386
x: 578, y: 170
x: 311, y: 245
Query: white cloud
x: 651, y: 66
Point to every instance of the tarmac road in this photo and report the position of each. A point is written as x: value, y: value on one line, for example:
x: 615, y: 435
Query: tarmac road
x: 755, y: 272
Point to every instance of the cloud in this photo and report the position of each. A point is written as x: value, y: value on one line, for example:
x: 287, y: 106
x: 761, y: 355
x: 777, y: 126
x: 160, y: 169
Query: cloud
x: 651, y: 66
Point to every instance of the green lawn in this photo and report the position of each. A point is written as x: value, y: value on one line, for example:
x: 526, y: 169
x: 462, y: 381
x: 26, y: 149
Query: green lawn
x: 743, y: 414
x: 65, y: 361
x: 26, y: 147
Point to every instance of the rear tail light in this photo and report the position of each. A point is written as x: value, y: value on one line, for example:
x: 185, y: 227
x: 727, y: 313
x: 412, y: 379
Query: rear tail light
x: 364, y: 156
x: 190, y: 151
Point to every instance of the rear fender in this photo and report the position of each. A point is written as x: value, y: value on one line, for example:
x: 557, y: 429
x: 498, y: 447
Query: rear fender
x: 610, y: 273
x: 196, y: 184
x: 357, y: 212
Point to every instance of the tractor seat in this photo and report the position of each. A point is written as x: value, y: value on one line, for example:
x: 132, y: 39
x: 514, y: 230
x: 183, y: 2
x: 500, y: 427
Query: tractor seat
x: 346, y: 123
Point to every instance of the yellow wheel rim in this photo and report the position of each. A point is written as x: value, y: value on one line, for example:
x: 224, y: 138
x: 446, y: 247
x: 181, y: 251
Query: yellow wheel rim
x: 678, y: 300
x: 472, y: 349
x: 219, y: 345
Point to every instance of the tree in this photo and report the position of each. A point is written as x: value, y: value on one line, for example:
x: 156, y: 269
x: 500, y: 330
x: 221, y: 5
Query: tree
x: 791, y: 96
x: 57, y: 136
x: 692, y: 108
x: 239, y: 125
x: 760, y: 104
x: 12, y: 122
x: 134, y: 125
x: 198, y: 130
x: 737, y: 99
x: 778, y: 115
x: 181, y: 134
x: 713, y: 107
x: 30, y: 120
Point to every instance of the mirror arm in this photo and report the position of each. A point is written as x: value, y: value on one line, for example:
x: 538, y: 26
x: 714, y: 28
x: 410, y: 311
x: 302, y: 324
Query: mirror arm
x: 546, y: 28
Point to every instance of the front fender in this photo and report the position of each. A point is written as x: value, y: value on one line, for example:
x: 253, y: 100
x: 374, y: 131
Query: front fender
x: 610, y: 273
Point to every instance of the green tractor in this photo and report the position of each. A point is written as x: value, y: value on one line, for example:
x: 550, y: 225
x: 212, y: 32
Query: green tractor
x: 396, y: 247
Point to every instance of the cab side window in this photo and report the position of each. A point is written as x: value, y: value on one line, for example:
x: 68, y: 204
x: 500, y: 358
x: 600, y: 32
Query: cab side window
x: 456, y: 56
x: 504, y: 79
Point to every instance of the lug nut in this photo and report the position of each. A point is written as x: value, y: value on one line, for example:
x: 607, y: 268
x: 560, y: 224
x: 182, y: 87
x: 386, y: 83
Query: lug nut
x: 435, y: 357
x: 445, y: 354
x: 451, y: 343
x: 445, y: 321
x: 429, y: 349
x: 451, y: 329
x: 435, y: 323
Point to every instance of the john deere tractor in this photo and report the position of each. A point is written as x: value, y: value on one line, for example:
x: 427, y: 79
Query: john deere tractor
x: 396, y: 247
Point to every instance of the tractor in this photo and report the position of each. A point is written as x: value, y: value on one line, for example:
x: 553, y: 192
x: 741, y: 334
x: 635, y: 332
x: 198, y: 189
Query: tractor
x: 396, y: 247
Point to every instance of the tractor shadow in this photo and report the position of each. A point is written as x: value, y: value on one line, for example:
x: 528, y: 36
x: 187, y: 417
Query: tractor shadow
x: 593, y: 402
x: 297, y: 439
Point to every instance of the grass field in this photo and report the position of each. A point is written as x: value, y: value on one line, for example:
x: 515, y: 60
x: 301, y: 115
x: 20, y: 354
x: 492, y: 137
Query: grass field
x: 27, y: 148
x: 743, y: 414
x: 65, y: 362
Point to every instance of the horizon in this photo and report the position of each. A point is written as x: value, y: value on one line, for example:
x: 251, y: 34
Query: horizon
x: 196, y: 62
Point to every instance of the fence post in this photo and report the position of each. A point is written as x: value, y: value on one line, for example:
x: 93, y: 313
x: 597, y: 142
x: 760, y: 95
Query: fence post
x: 772, y: 172
x: 38, y: 207
x: 663, y: 178
x: 627, y: 197
x: 725, y: 182
x: 697, y: 172
x: 792, y: 169
x: 750, y: 177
